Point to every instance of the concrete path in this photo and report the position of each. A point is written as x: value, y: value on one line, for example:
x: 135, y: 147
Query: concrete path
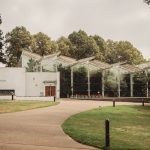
x: 40, y: 129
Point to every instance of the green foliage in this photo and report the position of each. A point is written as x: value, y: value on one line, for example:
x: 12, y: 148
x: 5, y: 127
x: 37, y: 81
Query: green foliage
x: 109, y: 51
x: 140, y: 85
x: 103, y: 51
x: 111, y: 86
x: 65, y: 81
x: 17, y: 40
x: 95, y: 82
x: 125, y: 86
x: 64, y: 46
x: 78, y: 45
x: 129, y: 127
x: 2, y: 59
x: 123, y: 51
x: 44, y: 45
x: 33, y: 66
x: 80, y: 81
x: 82, y: 45
x: 128, y: 53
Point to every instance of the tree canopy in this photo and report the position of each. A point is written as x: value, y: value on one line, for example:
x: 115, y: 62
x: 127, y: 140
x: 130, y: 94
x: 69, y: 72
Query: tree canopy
x: 82, y: 45
x: 2, y: 59
x: 33, y: 66
x: 123, y: 51
x: 17, y: 40
x: 77, y: 45
x: 44, y: 45
x: 64, y: 46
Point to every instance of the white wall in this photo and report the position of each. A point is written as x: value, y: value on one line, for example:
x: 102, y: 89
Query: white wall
x: 13, y: 78
x: 28, y: 83
x: 24, y: 60
x: 35, y: 85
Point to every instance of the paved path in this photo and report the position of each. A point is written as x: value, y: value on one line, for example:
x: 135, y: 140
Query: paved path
x: 40, y: 129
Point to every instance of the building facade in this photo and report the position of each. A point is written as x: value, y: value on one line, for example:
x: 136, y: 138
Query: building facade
x: 40, y: 79
x: 35, y: 84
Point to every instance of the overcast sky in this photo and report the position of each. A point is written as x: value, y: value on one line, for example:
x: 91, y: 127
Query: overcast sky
x: 111, y: 19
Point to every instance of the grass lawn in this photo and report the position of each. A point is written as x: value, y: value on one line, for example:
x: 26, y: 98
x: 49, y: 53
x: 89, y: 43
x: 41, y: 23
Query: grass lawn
x: 13, y: 106
x: 130, y: 127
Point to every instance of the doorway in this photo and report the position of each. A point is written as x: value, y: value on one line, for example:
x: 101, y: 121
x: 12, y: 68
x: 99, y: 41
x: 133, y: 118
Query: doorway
x: 50, y: 90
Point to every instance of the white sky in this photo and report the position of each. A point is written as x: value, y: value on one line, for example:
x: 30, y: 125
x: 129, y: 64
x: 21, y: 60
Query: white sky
x: 111, y: 19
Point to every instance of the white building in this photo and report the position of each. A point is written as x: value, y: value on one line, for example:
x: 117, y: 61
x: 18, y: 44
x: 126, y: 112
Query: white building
x: 45, y: 82
x: 24, y: 83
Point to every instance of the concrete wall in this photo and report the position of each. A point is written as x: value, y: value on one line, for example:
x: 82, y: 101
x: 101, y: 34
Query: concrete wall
x: 24, y: 61
x: 13, y: 79
x: 35, y: 85
x: 50, y: 98
x: 28, y: 83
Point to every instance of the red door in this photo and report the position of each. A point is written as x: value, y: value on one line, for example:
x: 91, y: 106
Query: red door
x: 53, y: 90
x: 50, y: 90
x: 47, y: 90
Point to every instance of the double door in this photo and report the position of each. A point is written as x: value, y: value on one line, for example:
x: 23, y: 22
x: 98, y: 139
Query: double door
x: 50, y: 90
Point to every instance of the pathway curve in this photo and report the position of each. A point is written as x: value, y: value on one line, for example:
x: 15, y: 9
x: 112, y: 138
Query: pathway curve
x: 40, y: 129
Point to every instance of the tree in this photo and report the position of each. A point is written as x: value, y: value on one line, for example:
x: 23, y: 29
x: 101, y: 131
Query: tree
x: 17, y: 40
x: 95, y: 82
x: 104, y: 52
x: 33, y: 66
x: 124, y: 51
x: 2, y: 59
x: 65, y: 80
x: 82, y: 45
x: 64, y: 46
x: 147, y: 2
x: 44, y: 45
x: 112, y: 46
x: 80, y: 81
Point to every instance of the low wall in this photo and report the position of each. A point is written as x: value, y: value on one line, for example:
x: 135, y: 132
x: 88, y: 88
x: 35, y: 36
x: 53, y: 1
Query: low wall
x: 121, y: 99
x: 5, y: 97
x: 9, y: 97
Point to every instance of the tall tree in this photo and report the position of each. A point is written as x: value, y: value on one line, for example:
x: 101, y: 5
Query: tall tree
x: 64, y: 46
x: 104, y: 52
x: 44, y: 45
x: 112, y: 46
x: 82, y: 45
x: 127, y: 52
x: 2, y: 59
x: 33, y: 66
x: 124, y: 51
x: 17, y: 40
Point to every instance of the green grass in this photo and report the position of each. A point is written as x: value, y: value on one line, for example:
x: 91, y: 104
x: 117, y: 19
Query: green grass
x: 130, y: 127
x: 13, y: 106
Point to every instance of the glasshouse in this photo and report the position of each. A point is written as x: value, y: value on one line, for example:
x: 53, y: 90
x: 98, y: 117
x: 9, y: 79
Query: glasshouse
x: 63, y: 76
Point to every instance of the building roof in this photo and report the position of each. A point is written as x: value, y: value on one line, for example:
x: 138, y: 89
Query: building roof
x: 91, y: 61
x: 130, y: 68
x: 31, y: 55
x: 61, y: 58
x: 92, y: 64
x: 99, y: 64
x: 144, y: 65
x: 66, y: 59
x: 86, y: 59
x: 51, y: 55
x: 83, y: 61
